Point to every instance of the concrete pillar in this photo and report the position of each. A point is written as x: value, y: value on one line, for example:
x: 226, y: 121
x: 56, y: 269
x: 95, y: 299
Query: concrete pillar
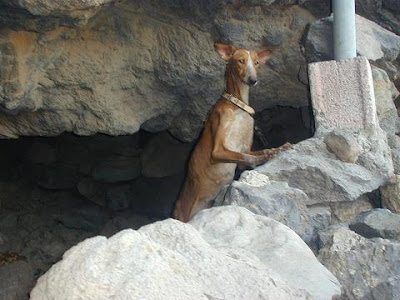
x: 344, y: 29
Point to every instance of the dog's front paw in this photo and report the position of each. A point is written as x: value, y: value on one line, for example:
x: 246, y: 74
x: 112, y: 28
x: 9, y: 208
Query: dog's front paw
x: 286, y: 146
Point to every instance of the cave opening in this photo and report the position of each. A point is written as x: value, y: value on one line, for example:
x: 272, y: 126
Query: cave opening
x: 58, y: 191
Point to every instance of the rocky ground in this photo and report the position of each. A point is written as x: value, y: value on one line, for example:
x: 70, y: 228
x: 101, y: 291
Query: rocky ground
x: 150, y: 75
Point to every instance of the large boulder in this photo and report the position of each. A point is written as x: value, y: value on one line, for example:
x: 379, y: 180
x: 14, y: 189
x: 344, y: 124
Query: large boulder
x: 126, y: 69
x: 379, y: 45
x: 226, y: 253
x: 312, y: 168
x: 274, y: 199
x: 366, y: 268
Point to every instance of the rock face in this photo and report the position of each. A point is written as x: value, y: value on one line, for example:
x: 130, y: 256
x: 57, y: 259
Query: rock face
x: 379, y: 45
x: 385, y: 94
x: 273, y: 199
x: 225, y: 258
x: 126, y: 69
x: 391, y: 195
x: 310, y: 167
x: 367, y: 268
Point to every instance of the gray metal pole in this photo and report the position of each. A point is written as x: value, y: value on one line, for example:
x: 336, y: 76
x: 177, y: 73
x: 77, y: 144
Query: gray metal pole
x: 344, y: 29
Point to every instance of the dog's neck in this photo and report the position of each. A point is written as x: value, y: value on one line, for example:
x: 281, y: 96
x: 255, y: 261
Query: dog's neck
x: 235, y: 86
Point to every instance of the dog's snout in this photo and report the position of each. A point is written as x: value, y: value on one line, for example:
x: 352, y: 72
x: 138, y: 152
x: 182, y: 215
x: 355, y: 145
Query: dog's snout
x: 253, y: 81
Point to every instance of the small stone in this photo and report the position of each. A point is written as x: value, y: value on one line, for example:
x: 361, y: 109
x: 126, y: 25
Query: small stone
x: 164, y: 156
x: 343, y: 145
x: 390, y: 195
x: 321, y: 217
x: 377, y: 223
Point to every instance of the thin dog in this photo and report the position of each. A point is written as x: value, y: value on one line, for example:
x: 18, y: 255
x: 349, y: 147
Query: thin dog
x: 227, y: 136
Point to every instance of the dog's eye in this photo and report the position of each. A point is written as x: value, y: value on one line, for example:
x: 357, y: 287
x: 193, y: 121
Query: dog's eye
x: 241, y: 61
x: 256, y: 62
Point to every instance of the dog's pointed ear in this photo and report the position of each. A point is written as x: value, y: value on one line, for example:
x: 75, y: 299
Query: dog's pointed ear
x: 224, y: 50
x: 264, y: 55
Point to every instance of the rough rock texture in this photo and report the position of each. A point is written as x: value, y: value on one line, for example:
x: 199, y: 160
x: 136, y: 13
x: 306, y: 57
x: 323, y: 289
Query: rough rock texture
x: 366, y: 268
x: 16, y: 279
x: 385, y: 94
x: 377, y: 223
x: 310, y: 167
x: 273, y: 199
x: 135, y: 65
x: 379, y: 45
x: 384, y: 12
x: 391, y: 195
x: 225, y: 259
x: 345, y: 100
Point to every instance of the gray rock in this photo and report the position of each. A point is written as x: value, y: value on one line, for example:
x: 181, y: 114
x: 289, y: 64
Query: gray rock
x: 321, y: 217
x: 345, y: 211
x: 364, y: 267
x: 319, y: 41
x: 173, y: 260
x: 117, y: 170
x: 92, y: 190
x: 383, y: 12
x: 389, y: 289
x: 94, y: 82
x: 119, y: 197
x: 377, y: 223
x: 392, y: 4
x: 344, y: 145
x: 310, y: 167
x: 396, y: 160
x: 89, y: 218
x: 16, y: 279
x: 390, y: 195
x: 379, y: 45
x: 385, y: 94
x: 164, y: 156
x: 125, y: 220
x: 273, y: 199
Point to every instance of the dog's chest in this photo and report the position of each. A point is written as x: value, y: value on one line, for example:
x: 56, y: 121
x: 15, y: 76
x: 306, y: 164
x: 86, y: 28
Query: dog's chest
x: 240, y: 131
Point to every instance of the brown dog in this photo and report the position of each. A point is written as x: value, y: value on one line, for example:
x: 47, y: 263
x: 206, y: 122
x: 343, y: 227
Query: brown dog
x: 227, y: 137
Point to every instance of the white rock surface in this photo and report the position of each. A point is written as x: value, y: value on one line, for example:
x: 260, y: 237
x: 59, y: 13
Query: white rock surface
x: 233, y: 254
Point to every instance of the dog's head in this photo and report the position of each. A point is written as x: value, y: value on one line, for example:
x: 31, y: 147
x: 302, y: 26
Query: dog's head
x: 243, y: 62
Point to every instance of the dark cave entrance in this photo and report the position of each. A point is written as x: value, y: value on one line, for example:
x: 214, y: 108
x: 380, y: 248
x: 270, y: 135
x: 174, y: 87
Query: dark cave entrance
x: 58, y: 191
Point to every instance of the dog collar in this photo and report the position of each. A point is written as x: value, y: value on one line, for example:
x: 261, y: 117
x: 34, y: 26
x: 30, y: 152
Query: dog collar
x: 239, y: 103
